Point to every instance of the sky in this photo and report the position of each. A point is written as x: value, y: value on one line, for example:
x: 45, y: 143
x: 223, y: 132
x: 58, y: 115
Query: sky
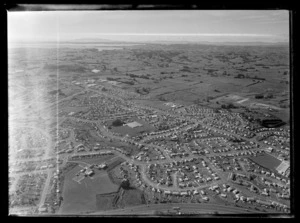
x: 175, y: 25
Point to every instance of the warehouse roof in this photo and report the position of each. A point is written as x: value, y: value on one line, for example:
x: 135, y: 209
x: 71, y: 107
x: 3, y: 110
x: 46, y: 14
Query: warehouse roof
x: 134, y: 124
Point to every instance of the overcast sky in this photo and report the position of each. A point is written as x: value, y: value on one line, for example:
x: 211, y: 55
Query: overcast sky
x: 206, y: 25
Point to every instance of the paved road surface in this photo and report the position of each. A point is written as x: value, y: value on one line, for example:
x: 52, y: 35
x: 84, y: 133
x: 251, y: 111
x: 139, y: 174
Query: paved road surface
x: 202, y: 208
x: 46, y: 188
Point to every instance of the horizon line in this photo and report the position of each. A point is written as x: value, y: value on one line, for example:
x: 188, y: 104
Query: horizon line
x: 185, y: 34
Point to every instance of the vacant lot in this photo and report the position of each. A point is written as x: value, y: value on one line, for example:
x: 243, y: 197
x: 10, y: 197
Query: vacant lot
x: 105, y: 201
x: 114, y: 162
x: 132, y: 197
x: 123, y: 198
x: 82, y: 197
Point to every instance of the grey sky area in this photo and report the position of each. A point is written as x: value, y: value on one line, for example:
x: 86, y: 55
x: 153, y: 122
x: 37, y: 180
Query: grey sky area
x: 206, y: 25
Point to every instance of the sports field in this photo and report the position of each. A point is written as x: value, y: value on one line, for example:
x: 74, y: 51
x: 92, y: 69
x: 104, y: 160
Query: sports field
x: 267, y: 161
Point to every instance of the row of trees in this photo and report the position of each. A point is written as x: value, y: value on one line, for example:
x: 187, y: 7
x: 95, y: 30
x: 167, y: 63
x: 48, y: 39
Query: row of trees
x: 228, y: 106
x: 266, y: 96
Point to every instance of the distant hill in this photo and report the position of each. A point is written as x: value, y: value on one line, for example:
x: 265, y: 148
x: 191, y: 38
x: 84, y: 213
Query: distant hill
x: 91, y: 40
x: 191, y: 42
x: 224, y: 43
x: 253, y: 43
x: 97, y: 41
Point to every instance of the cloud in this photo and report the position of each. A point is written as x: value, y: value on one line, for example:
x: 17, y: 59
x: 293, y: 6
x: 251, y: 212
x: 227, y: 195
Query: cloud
x: 253, y: 16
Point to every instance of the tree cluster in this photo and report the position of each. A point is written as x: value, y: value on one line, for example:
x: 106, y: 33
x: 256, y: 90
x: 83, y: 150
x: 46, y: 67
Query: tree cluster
x: 117, y: 122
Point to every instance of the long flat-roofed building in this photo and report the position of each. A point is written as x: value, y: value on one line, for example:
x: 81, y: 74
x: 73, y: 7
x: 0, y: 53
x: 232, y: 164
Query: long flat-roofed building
x: 283, y: 167
x: 134, y: 124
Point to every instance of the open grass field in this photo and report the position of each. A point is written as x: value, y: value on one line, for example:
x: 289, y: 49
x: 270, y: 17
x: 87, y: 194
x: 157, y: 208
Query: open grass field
x: 114, y: 162
x: 105, y: 201
x: 82, y: 197
x: 132, y: 197
x: 123, y: 198
x: 267, y: 161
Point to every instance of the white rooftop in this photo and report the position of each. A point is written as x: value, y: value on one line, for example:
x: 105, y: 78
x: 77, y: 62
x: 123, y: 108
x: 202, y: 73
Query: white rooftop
x: 134, y: 124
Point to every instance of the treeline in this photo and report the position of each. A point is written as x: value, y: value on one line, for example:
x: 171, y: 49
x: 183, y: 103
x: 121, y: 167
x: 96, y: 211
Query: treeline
x: 228, y: 106
x: 266, y: 96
